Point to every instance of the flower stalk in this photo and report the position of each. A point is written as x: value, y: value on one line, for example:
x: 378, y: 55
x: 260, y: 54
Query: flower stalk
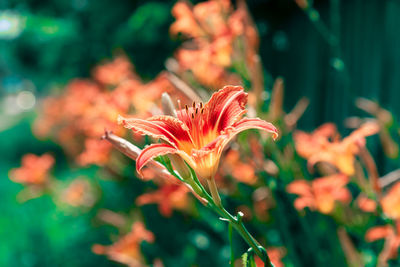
x: 214, y: 191
x: 214, y: 203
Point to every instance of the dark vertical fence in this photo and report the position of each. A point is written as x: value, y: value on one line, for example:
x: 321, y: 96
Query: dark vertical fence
x: 364, y: 63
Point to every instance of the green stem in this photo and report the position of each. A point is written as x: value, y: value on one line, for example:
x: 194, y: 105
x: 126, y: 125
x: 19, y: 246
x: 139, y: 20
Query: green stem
x: 241, y: 229
x: 231, y: 241
x: 214, y: 202
x: 214, y: 191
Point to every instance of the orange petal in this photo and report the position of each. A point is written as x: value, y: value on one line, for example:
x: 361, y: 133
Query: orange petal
x: 367, y: 129
x: 168, y: 128
x: 246, y: 124
x: 366, y: 204
x: 391, y: 202
x: 299, y: 187
x: 155, y: 150
x: 303, y: 202
x: 225, y: 107
x: 378, y: 232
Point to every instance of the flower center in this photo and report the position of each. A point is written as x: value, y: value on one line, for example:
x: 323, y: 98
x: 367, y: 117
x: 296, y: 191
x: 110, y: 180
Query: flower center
x: 196, y: 122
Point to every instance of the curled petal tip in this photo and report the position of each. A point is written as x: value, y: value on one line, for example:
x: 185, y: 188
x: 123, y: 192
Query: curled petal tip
x: 275, y: 134
x: 120, y: 120
x: 151, y: 151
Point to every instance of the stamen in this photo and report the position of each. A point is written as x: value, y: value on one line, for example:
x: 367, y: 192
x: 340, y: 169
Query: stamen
x: 192, y: 115
x: 197, y: 110
x: 194, y: 105
x: 201, y: 105
x: 202, y: 111
x: 187, y: 109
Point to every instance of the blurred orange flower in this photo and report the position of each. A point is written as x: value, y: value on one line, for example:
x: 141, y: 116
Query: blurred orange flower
x: 243, y: 172
x: 391, y: 202
x: 168, y: 197
x: 114, y: 72
x: 96, y: 152
x: 77, y: 118
x: 392, y: 240
x: 366, y: 204
x: 34, y: 170
x: 323, y: 145
x: 321, y: 193
x: 185, y: 22
x: 206, y: 18
x: 127, y: 249
x: 218, y: 36
x: 79, y: 193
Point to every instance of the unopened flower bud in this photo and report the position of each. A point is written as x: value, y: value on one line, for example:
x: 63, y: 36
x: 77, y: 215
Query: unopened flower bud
x: 180, y: 166
x: 167, y: 105
x: 178, y: 163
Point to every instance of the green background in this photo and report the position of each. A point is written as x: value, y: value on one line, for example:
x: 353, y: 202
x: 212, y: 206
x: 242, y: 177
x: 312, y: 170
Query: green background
x: 60, y: 40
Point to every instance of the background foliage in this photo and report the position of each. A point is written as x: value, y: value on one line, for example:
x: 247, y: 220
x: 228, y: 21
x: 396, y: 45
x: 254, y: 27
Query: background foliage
x: 55, y: 41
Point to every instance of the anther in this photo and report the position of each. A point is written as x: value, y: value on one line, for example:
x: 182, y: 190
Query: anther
x: 187, y: 108
x: 192, y: 116
x: 197, y: 110
x: 194, y: 104
x: 201, y: 105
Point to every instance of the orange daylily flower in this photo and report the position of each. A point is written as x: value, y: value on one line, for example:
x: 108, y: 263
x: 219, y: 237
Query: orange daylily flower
x: 208, y: 63
x: 185, y: 21
x: 206, y: 18
x: 391, y: 202
x: 127, y: 249
x: 323, y: 145
x: 243, y: 172
x: 199, y: 133
x: 77, y: 118
x: 219, y: 36
x: 96, y: 152
x: 114, y: 72
x: 392, y: 240
x: 79, y: 193
x: 34, y: 169
x: 321, y: 193
x: 168, y: 197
